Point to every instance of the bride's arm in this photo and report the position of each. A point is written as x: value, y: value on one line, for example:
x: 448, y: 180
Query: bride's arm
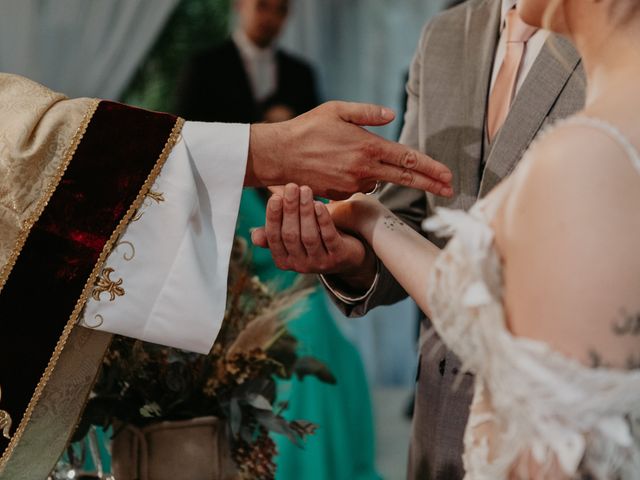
x: 406, y: 254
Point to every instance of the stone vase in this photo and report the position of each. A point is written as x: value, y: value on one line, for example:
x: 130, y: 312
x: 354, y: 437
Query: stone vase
x: 196, y: 449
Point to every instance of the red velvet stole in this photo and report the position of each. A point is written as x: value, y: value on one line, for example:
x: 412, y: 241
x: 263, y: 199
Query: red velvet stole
x: 109, y: 172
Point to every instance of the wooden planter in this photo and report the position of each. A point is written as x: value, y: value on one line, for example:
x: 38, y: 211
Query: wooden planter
x: 196, y: 449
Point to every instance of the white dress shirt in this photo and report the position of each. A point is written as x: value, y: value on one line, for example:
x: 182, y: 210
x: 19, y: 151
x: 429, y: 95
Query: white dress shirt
x: 260, y: 65
x: 534, y: 45
x: 174, y: 259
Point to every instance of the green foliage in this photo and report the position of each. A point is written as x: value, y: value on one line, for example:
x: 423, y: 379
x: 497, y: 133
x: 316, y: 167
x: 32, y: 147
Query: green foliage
x: 193, y: 26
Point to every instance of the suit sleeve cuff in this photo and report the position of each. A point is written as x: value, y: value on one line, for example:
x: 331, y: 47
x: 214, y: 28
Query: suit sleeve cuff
x: 348, y: 299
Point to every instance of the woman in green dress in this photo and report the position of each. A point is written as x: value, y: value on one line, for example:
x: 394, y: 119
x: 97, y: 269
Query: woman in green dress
x: 343, y: 448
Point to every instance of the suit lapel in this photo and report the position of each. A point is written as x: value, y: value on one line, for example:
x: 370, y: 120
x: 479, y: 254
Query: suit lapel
x: 544, y: 83
x: 477, y: 55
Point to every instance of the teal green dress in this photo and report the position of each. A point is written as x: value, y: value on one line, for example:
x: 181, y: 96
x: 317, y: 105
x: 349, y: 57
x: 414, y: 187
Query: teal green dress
x: 343, y: 448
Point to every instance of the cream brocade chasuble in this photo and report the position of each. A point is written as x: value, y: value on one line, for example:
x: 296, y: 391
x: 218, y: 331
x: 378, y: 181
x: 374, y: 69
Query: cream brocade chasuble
x: 37, y: 126
x: 40, y: 132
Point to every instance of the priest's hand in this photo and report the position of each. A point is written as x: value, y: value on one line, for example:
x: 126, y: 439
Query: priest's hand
x: 328, y: 149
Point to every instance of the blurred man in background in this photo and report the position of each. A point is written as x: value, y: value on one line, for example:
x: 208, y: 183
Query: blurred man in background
x: 247, y: 78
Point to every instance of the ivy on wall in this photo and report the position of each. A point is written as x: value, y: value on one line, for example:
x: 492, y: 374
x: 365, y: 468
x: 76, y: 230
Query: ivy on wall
x: 193, y: 26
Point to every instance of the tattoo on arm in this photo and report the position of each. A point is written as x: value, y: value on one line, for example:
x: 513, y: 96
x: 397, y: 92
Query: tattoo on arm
x: 626, y: 326
x: 596, y: 361
x: 629, y: 324
x: 393, y: 223
x: 633, y: 362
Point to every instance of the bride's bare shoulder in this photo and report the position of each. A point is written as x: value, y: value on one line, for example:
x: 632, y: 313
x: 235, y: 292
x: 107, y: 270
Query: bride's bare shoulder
x: 576, y: 159
x: 575, y: 171
x: 568, y: 232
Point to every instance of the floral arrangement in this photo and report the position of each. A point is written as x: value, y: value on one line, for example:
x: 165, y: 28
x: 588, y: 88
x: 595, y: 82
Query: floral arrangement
x: 142, y: 383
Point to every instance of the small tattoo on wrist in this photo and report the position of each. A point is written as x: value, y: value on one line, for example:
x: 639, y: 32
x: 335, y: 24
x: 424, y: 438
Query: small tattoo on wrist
x: 392, y: 222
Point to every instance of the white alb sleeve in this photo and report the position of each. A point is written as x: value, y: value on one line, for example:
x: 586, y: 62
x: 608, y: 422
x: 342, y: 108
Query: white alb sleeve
x: 168, y: 273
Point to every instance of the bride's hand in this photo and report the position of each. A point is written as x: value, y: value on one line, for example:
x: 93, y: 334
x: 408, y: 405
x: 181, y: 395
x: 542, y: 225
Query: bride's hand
x: 357, y: 215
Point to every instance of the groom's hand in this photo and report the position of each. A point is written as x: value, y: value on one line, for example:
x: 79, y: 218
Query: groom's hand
x: 328, y: 150
x: 302, y: 237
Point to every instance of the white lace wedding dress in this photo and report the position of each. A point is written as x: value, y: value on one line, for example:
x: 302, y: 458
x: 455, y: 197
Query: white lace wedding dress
x: 542, y: 404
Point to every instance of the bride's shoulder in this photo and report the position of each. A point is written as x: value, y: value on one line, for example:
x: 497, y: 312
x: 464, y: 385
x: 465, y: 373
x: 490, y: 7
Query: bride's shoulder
x: 576, y: 166
x: 582, y: 150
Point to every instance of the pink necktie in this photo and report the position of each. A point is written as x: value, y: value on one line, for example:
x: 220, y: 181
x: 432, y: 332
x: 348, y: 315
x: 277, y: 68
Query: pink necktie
x: 518, y: 34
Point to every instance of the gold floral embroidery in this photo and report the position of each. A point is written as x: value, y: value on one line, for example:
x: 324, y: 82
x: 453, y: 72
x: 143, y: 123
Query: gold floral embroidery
x: 99, y: 321
x: 125, y: 256
x: 106, y: 285
x: 5, y: 422
x: 156, y: 196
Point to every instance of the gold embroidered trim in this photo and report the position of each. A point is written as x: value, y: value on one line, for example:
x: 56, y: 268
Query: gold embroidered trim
x: 171, y: 141
x: 99, y: 321
x: 5, y: 421
x: 44, y: 201
x: 106, y: 285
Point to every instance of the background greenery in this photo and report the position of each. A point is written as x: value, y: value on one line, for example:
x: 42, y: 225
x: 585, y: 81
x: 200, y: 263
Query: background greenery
x: 193, y: 26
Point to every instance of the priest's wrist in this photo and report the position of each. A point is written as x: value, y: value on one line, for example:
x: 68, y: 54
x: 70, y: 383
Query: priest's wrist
x: 267, y: 148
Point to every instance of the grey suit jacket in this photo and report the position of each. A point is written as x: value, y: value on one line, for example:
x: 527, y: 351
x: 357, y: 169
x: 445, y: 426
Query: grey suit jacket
x: 447, y: 100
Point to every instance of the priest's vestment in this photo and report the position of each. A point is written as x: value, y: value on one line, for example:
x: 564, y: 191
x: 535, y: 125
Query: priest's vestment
x: 113, y: 219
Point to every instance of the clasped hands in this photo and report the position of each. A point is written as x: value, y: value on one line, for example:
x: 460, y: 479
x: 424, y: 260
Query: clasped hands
x: 308, y: 236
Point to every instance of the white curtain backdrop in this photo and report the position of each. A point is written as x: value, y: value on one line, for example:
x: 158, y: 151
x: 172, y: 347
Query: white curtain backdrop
x: 79, y: 47
x: 362, y: 50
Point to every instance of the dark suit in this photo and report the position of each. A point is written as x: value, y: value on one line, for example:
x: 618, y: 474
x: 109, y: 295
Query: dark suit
x: 448, y: 91
x: 215, y: 87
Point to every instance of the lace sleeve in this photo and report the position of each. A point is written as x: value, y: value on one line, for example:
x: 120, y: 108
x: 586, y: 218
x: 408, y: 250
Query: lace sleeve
x: 536, y: 413
x: 465, y: 285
